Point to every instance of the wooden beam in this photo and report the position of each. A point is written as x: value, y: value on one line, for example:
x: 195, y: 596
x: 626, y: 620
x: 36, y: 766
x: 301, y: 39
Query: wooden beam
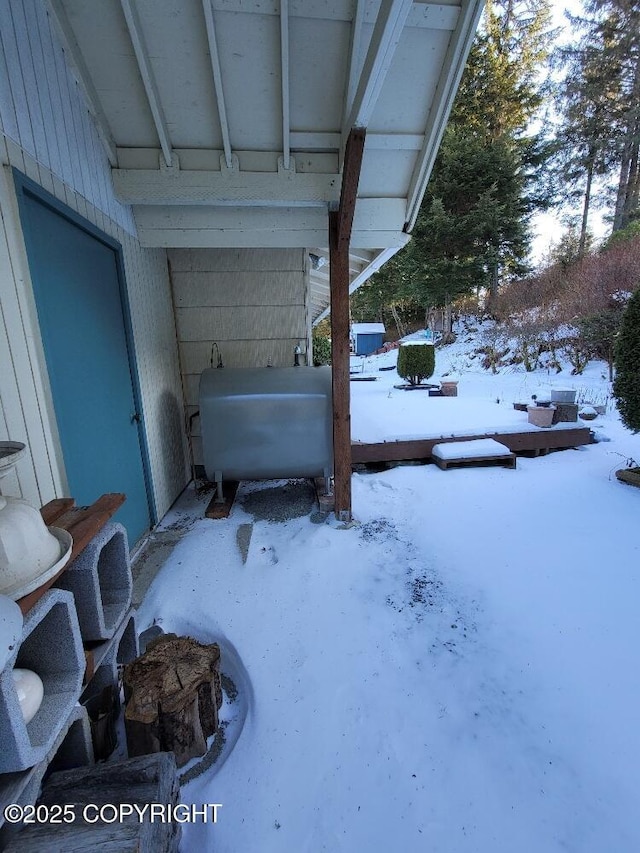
x: 284, y: 73
x: 354, y: 55
x: 453, y: 66
x: 146, y: 74
x: 526, y: 441
x: 339, y: 261
x: 217, y: 80
x: 229, y: 187
x: 384, y: 41
x: 380, y: 258
x: 340, y: 224
x: 350, y: 179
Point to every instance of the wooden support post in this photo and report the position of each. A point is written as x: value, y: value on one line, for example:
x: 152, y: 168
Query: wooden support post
x: 339, y: 284
x: 340, y: 223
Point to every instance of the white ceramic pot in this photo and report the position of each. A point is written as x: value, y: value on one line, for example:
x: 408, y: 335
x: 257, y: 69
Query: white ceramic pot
x: 11, y: 452
x: 30, y: 553
x: 30, y: 690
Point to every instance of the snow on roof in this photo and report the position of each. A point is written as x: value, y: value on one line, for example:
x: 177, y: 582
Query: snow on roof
x: 367, y: 328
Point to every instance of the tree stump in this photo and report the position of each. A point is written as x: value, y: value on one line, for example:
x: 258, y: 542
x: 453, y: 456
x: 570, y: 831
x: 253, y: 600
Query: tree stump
x: 172, y: 695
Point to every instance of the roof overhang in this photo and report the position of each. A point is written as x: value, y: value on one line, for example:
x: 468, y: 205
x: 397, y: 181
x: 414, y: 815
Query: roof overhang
x: 225, y: 121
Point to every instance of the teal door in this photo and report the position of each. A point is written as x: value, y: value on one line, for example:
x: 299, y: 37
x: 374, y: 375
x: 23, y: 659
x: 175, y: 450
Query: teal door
x: 76, y: 275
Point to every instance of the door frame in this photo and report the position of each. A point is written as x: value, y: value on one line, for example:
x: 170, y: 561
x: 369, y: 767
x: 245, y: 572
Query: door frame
x: 26, y: 186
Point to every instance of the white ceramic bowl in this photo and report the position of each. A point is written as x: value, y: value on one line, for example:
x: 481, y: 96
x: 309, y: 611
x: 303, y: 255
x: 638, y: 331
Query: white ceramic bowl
x: 30, y: 690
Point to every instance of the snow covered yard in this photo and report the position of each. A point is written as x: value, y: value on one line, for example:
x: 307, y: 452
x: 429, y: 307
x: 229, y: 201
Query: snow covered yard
x: 455, y: 672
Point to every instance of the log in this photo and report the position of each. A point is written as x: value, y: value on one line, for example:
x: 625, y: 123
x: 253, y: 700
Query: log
x: 172, y: 694
x: 139, y: 781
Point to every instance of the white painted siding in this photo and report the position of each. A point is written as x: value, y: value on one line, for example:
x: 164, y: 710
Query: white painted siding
x: 42, y: 108
x: 47, y: 133
x: 252, y: 302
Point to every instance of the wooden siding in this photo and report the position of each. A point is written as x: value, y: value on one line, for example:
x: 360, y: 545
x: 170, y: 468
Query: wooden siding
x: 43, y: 112
x: 252, y: 303
x: 47, y: 133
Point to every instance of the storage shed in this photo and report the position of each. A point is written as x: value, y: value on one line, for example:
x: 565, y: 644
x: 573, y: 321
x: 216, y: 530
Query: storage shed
x: 367, y: 337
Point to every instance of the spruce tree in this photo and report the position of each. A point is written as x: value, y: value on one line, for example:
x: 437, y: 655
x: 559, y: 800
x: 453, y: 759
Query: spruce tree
x: 471, y: 232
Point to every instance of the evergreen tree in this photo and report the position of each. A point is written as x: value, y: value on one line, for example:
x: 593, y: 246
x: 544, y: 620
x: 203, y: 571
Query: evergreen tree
x: 626, y: 386
x: 600, y: 106
x: 472, y: 228
x: 500, y: 90
x: 589, y: 98
x: 570, y: 248
x: 622, y: 23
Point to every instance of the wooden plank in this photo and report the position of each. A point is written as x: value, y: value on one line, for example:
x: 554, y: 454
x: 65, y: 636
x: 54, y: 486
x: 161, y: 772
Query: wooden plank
x: 52, y: 511
x: 340, y: 358
x: 517, y: 442
x: 216, y: 509
x: 445, y: 464
x: 547, y: 439
x: 83, y: 523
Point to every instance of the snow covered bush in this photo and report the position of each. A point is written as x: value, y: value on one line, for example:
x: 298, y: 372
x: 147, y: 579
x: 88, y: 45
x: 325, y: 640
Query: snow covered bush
x: 626, y: 386
x: 416, y: 361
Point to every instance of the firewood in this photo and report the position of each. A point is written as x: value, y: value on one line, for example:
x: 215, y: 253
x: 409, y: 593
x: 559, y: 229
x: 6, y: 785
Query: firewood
x: 172, y: 694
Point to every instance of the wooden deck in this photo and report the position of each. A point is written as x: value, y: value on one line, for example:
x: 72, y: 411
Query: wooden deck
x: 526, y: 442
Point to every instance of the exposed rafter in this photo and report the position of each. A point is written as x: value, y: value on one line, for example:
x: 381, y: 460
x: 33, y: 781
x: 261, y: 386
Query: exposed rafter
x: 284, y: 73
x: 74, y: 54
x: 354, y: 54
x: 454, y: 63
x: 217, y: 81
x: 380, y: 258
x: 384, y: 41
x: 146, y: 73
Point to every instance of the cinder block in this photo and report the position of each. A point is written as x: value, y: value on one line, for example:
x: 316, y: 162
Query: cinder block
x: 108, y: 657
x: 72, y: 748
x: 101, y: 583
x: 51, y: 646
x: 122, y: 648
